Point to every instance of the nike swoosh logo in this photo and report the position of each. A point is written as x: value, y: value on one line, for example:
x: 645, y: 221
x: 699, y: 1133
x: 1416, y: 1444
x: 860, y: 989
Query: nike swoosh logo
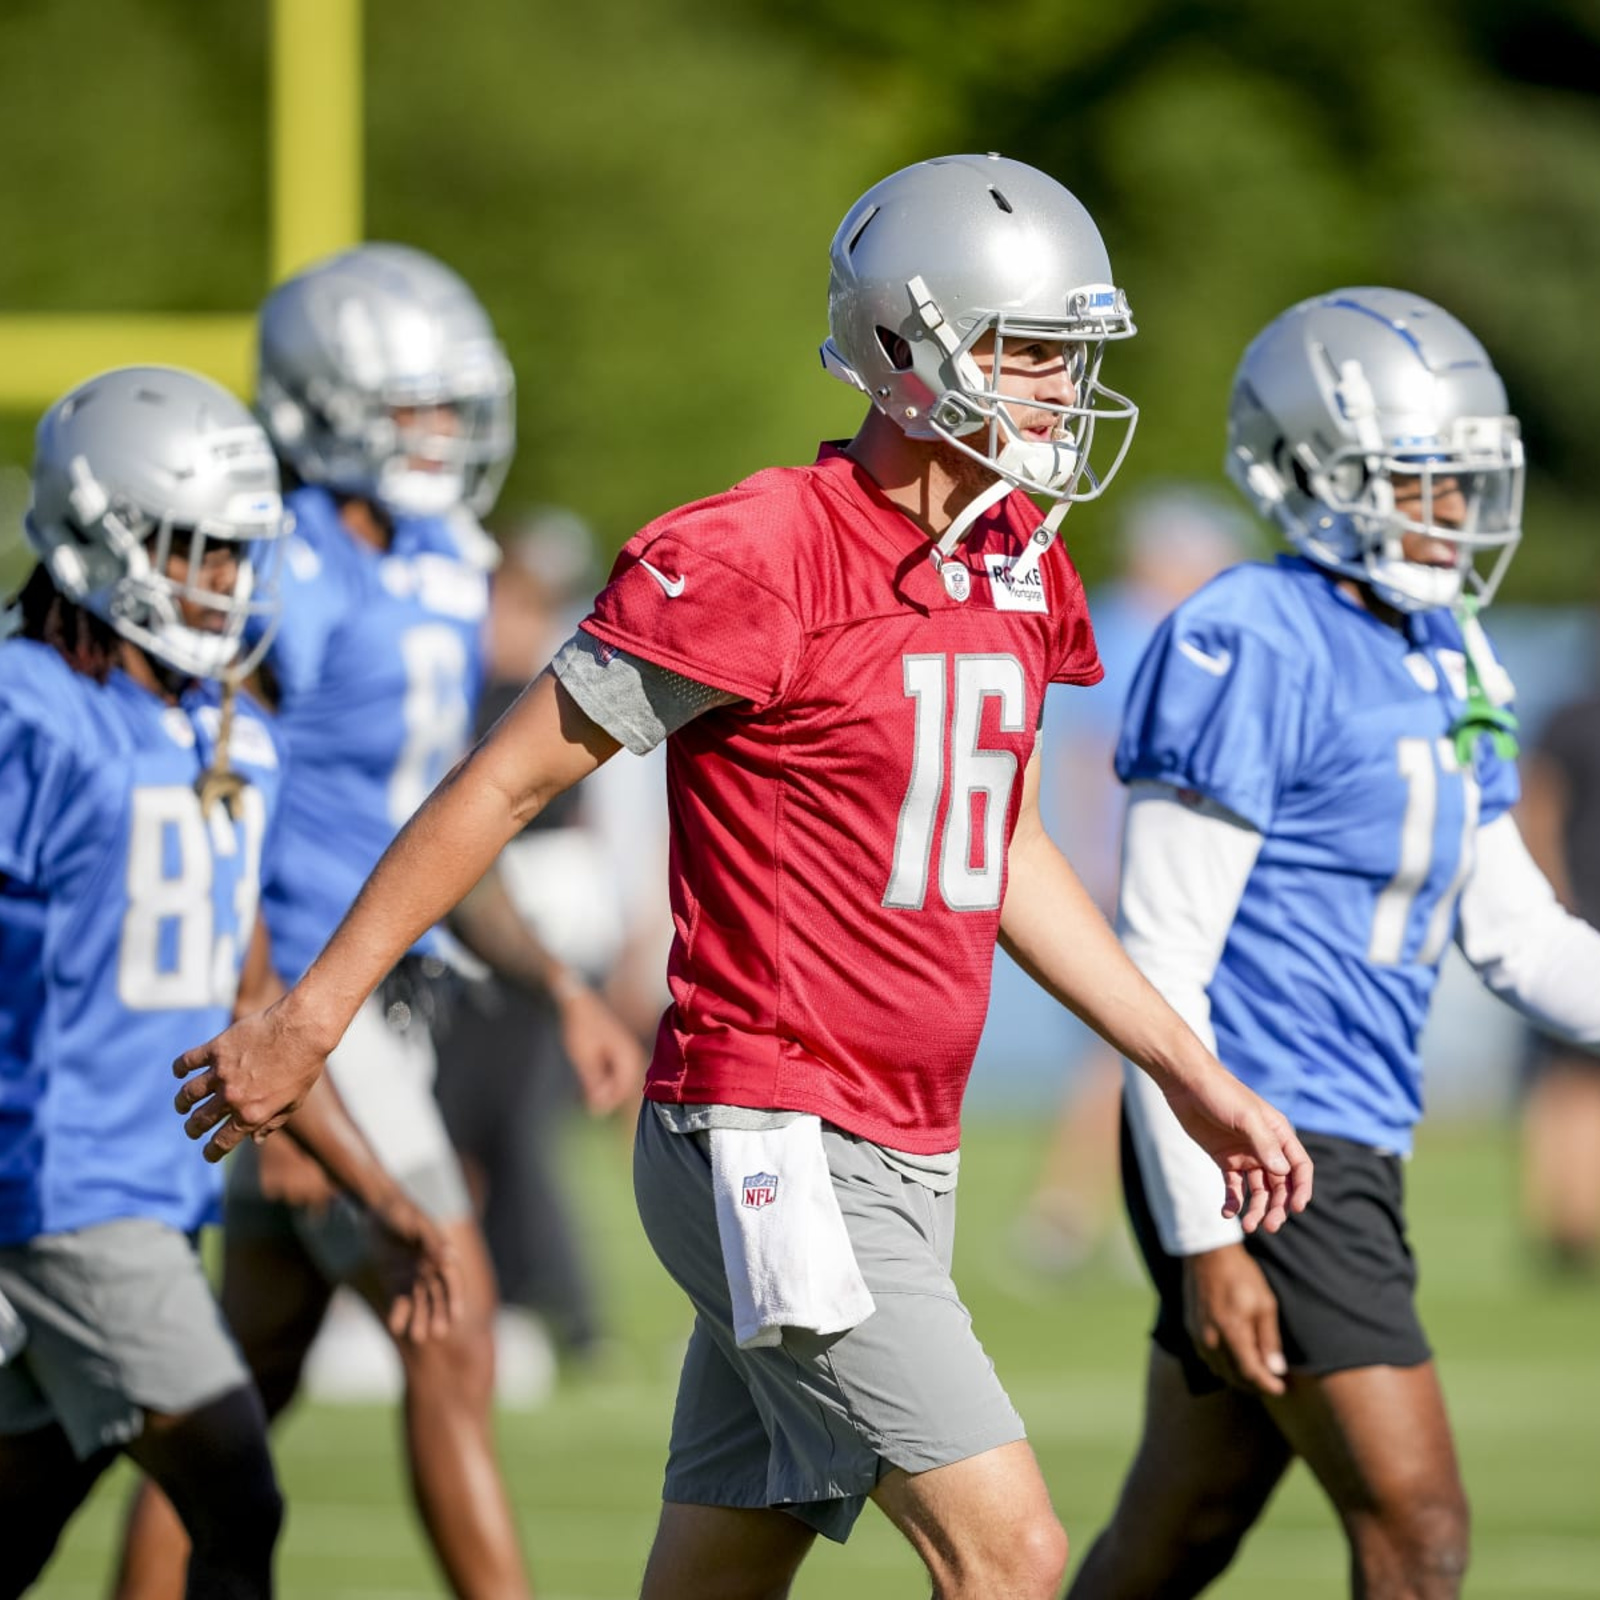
x: 671, y: 587
x: 1216, y: 665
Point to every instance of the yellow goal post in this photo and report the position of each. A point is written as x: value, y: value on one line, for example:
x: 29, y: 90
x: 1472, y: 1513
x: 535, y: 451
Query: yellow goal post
x: 315, y: 147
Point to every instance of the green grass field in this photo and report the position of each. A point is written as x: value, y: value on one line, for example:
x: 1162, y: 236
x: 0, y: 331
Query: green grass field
x: 1518, y: 1353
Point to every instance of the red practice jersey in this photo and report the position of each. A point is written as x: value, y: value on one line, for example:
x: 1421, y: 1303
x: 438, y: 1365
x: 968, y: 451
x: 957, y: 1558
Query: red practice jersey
x: 839, y: 836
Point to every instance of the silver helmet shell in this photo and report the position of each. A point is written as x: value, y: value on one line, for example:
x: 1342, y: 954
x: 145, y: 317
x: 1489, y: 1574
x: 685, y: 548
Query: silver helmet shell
x: 138, y: 475
x: 379, y: 375
x: 945, y: 252
x: 1343, y: 395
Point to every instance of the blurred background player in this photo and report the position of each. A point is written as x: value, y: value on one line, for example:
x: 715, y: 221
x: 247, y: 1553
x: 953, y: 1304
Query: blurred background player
x: 1319, y: 756
x: 1560, y: 819
x: 389, y: 401
x: 1171, y: 539
x: 135, y: 800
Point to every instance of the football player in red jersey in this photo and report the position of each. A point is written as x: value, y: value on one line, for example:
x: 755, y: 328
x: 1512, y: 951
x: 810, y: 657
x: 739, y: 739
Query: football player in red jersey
x: 848, y: 662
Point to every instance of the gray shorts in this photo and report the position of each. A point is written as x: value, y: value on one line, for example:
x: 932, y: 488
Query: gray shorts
x: 811, y: 1425
x: 120, y: 1321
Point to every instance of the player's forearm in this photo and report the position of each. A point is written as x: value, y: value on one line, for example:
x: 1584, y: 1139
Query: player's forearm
x: 259, y: 983
x: 490, y: 926
x: 434, y: 860
x: 1185, y: 867
x: 322, y: 1127
x: 1179, y: 1177
x: 1053, y: 930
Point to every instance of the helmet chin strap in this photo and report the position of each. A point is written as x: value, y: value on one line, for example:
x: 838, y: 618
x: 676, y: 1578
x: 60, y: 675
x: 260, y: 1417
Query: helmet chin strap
x: 1043, y: 536
x: 1489, y: 693
x: 1017, y: 457
x: 969, y: 514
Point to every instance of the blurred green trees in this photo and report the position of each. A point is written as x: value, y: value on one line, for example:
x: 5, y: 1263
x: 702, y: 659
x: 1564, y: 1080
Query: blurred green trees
x: 643, y: 194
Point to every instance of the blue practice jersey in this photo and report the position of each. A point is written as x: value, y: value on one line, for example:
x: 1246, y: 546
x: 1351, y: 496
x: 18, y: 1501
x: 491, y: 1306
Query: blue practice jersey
x: 1087, y: 826
x: 379, y: 663
x: 1277, y: 696
x: 125, y: 914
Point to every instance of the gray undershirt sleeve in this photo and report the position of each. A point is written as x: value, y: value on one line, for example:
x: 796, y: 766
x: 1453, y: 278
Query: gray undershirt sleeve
x: 634, y: 700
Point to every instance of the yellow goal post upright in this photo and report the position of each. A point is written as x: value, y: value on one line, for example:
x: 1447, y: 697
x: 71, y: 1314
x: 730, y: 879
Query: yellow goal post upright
x: 314, y: 76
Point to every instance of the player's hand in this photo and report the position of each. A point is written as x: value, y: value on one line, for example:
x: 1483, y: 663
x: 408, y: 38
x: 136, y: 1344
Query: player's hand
x: 1232, y: 1316
x: 250, y: 1079
x: 1264, y: 1166
x: 294, y: 1178
x: 419, y: 1269
x: 607, y: 1059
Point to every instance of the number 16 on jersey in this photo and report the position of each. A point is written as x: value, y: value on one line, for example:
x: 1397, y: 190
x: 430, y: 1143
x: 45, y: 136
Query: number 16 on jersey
x: 979, y: 787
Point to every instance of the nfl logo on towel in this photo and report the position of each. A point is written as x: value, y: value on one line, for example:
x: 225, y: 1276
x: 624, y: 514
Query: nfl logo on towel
x: 760, y: 1189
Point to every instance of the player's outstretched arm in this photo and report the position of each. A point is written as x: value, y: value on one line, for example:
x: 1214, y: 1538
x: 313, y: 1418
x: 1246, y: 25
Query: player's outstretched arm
x: 250, y: 1079
x: 1055, y: 932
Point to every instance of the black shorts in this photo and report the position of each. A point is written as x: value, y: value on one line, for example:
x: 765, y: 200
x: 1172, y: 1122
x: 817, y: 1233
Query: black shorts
x: 1342, y: 1271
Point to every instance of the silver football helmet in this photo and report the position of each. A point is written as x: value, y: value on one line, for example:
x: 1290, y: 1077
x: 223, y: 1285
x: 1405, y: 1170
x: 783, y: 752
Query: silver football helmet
x: 379, y: 375
x: 939, y: 255
x: 1343, y: 398
x: 139, y: 475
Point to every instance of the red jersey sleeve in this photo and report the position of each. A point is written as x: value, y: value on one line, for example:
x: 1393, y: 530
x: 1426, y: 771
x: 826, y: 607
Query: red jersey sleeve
x: 698, y: 592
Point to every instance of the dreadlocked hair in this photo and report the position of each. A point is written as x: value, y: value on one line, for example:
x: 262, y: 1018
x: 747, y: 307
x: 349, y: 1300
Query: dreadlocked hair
x: 219, y: 782
x: 89, y: 643
x: 91, y: 646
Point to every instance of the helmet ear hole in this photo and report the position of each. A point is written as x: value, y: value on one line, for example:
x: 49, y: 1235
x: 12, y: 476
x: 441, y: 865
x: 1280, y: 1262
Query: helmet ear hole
x: 1291, y: 466
x: 896, y: 350
x: 1350, y: 478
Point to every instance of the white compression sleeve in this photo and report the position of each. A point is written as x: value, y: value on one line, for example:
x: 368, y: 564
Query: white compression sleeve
x: 1526, y: 947
x: 1184, y: 870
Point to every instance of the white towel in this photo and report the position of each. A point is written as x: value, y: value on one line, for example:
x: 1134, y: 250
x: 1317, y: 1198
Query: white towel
x: 784, y: 1247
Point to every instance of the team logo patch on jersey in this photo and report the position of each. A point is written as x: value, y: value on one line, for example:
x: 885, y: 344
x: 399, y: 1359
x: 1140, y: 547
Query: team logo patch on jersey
x: 1015, y: 594
x: 1421, y: 669
x: 671, y: 583
x: 957, y: 581
x: 179, y: 729
x: 758, y: 1190
x: 438, y: 583
x: 1217, y: 662
x: 249, y: 741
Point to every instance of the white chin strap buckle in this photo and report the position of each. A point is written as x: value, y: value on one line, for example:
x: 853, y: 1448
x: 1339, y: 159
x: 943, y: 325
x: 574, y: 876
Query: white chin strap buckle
x: 1043, y: 537
x: 1032, y: 554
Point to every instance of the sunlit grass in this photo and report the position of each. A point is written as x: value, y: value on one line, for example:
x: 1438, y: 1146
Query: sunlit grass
x: 1517, y: 1353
